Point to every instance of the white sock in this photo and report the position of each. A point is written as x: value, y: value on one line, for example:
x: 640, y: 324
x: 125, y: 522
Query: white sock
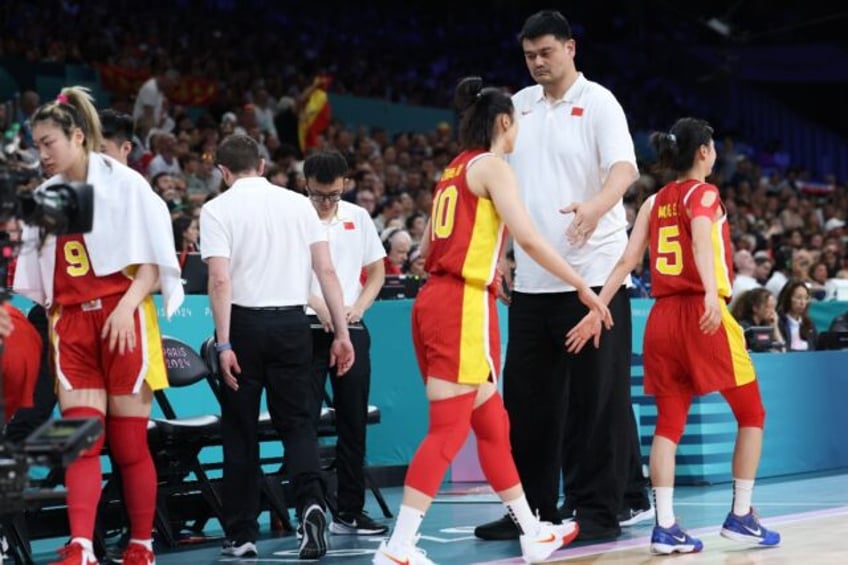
x: 743, y: 490
x: 85, y: 543
x: 664, y: 503
x: 519, y: 511
x: 147, y: 543
x: 406, y: 527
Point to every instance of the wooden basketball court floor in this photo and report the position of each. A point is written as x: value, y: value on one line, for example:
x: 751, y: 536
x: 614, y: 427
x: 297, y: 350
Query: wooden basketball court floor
x: 810, y: 512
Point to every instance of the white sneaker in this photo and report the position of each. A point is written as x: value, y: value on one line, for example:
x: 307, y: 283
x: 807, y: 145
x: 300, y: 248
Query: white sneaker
x: 235, y: 549
x: 410, y: 555
x: 549, y: 538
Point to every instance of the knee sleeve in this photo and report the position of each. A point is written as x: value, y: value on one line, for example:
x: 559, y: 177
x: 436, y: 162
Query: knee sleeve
x: 490, y: 423
x: 127, y: 439
x: 89, y: 412
x: 747, y: 405
x: 450, y: 422
x: 671, y: 416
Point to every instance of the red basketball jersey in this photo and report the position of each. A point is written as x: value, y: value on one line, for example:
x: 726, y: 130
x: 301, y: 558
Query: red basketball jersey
x: 673, y: 268
x: 466, y: 232
x: 74, y: 281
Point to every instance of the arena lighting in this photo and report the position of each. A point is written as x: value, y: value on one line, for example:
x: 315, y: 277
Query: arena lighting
x: 719, y: 26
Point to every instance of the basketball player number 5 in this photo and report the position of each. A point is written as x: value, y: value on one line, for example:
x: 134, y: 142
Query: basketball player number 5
x: 670, y: 260
x: 443, y: 212
x: 77, y: 259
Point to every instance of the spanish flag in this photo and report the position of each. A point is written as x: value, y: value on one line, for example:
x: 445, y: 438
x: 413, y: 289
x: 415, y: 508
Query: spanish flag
x: 315, y: 117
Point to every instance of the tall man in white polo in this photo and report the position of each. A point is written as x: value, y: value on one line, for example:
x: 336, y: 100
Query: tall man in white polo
x: 574, y: 159
x: 263, y: 244
x: 354, y: 247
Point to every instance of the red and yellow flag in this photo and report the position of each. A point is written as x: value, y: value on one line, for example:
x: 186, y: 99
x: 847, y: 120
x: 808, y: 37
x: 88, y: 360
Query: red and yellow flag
x: 315, y: 117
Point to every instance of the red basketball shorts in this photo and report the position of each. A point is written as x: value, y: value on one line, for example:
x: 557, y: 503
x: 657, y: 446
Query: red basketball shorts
x: 455, y: 332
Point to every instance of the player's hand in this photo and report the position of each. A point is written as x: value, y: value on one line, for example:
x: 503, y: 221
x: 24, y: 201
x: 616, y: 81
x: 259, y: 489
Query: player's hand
x: 711, y: 318
x: 587, y: 329
x: 6, y: 325
x: 593, y: 302
x: 503, y: 281
x: 119, y: 329
x: 354, y: 314
x: 324, y: 317
x: 586, y: 216
x: 229, y: 365
x: 341, y: 355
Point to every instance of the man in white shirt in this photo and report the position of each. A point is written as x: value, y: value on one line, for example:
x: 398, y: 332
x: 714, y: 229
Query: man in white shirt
x: 574, y: 158
x: 744, y: 279
x: 263, y: 244
x: 149, y: 108
x: 354, y: 247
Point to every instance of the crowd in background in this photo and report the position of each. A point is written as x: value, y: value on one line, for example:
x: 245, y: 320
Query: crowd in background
x: 783, y: 226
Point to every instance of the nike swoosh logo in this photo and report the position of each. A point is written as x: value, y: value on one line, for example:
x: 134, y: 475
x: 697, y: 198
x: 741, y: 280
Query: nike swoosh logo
x: 549, y: 539
x: 756, y: 532
x: 681, y: 539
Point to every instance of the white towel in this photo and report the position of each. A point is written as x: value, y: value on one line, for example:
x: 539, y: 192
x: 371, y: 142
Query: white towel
x: 132, y: 226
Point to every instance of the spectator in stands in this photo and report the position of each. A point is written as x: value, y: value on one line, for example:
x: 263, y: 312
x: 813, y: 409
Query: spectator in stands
x: 390, y: 209
x: 397, y: 243
x: 186, y: 236
x: 416, y: 223
x: 762, y: 270
x: 165, y: 156
x: 366, y: 199
x: 263, y: 338
x: 149, y: 111
x: 796, y: 327
x: 354, y: 247
x: 744, y: 279
x: 415, y: 263
x: 758, y: 307
x: 117, y: 135
x: 799, y: 268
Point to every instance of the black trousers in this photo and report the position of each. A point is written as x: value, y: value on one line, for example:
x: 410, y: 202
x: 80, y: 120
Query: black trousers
x: 350, y: 399
x: 274, y: 350
x: 551, y: 395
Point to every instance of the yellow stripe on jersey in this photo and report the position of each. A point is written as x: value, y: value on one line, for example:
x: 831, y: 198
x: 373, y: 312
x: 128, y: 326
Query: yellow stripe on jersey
x: 156, y: 377
x: 484, y: 244
x: 743, y: 367
x: 719, y: 265
x: 474, y: 366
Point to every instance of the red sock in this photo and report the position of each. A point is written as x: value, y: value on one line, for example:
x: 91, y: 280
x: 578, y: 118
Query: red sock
x: 84, y: 480
x: 128, y: 446
x: 450, y: 422
x: 491, y: 427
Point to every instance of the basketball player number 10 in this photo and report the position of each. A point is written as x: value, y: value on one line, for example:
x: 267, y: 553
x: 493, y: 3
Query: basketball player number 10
x: 444, y: 209
x: 670, y: 260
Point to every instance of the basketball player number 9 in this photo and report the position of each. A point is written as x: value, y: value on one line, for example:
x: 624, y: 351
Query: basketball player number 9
x: 670, y: 260
x: 444, y: 209
x: 77, y: 259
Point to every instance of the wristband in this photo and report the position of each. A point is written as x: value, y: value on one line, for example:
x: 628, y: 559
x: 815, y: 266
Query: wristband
x: 221, y: 347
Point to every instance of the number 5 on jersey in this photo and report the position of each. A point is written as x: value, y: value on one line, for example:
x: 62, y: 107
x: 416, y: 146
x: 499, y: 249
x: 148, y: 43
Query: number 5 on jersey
x: 444, y: 209
x: 670, y: 254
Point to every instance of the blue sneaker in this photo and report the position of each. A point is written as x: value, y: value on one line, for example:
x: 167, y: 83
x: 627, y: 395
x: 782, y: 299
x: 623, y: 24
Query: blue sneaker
x: 748, y: 529
x: 665, y: 541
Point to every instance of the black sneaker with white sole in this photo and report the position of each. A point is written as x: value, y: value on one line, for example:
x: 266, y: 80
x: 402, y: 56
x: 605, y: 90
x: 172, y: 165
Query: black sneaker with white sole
x: 313, y: 545
x: 359, y: 524
x: 235, y: 549
x: 633, y: 516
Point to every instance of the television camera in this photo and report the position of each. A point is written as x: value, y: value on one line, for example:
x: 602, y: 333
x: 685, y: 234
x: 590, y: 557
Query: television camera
x: 57, y: 209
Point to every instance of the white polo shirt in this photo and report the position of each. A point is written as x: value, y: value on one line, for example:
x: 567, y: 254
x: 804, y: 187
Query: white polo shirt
x: 265, y: 231
x: 563, y: 154
x: 354, y: 243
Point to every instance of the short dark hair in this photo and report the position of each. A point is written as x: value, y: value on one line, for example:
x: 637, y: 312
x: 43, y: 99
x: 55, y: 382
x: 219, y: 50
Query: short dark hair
x: 545, y: 22
x: 116, y: 126
x: 325, y: 166
x: 239, y: 153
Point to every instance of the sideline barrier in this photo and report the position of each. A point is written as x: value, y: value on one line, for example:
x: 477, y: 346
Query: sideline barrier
x: 804, y: 394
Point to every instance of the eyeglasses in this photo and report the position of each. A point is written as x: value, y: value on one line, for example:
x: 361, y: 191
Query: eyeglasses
x: 322, y: 197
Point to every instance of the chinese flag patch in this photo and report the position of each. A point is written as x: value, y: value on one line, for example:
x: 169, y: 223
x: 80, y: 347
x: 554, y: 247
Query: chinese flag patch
x: 349, y: 226
x: 577, y: 111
